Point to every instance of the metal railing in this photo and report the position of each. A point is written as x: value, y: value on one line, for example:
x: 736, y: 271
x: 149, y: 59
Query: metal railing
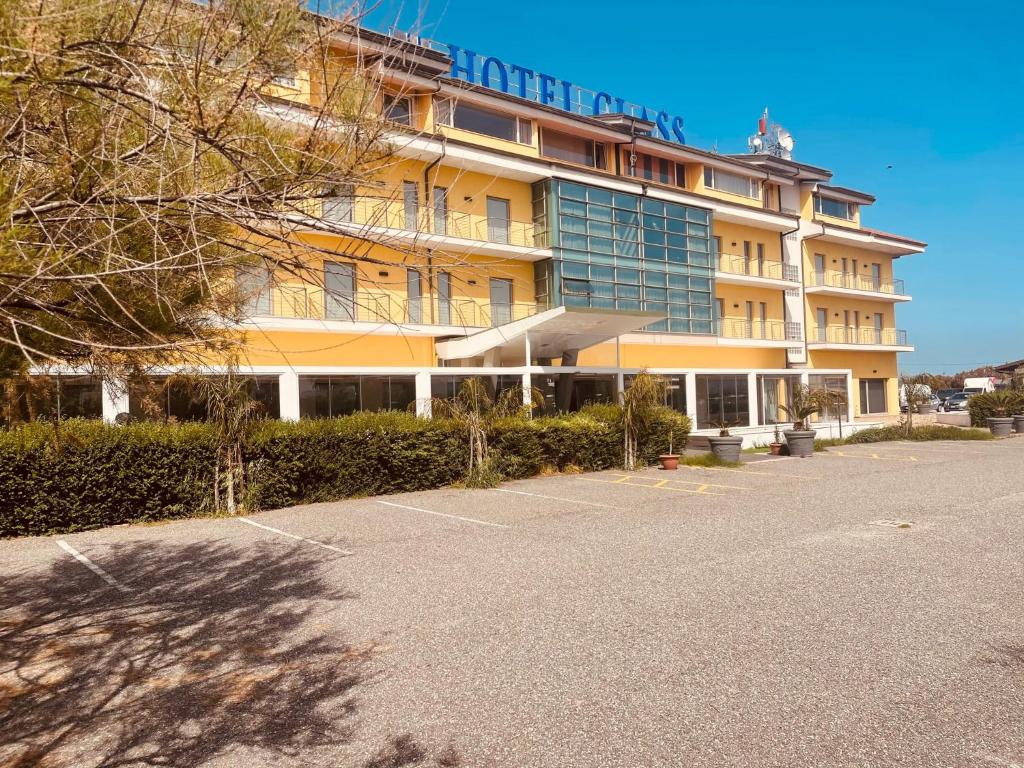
x: 393, y: 212
x: 854, y: 282
x: 767, y: 330
x: 313, y: 303
x: 740, y: 265
x: 837, y: 334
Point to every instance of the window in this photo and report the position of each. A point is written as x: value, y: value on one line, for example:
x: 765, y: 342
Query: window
x: 414, y: 294
x: 177, y: 399
x: 285, y: 80
x: 501, y: 301
x: 325, y: 397
x: 872, y: 396
x: 839, y: 209
x: 440, y: 211
x: 469, y: 117
x: 254, y: 286
x: 571, y: 149
x: 339, y: 203
x: 731, y: 182
x: 655, y: 169
x: 722, y: 400
x: 339, y: 291
x: 498, y: 220
x: 444, y: 298
x: 398, y: 109
x: 680, y: 175
x: 410, y: 204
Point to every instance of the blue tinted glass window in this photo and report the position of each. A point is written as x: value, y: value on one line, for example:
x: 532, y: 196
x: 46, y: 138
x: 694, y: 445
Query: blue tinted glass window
x: 572, y: 207
x: 675, y: 211
x: 602, y: 273
x: 654, y: 222
x: 575, y: 191
x: 575, y: 241
x: 628, y: 304
x: 627, y: 217
x: 627, y: 248
x: 601, y: 228
x: 574, y: 224
x: 622, y: 200
x: 654, y: 253
x: 574, y: 269
x: 653, y: 206
x: 655, y: 278
x: 602, y: 196
x: 602, y: 258
x: 599, y: 212
x: 627, y: 291
x: 677, y: 256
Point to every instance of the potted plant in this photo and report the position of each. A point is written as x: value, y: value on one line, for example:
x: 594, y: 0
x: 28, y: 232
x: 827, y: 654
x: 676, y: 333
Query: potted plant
x: 669, y: 460
x: 775, y: 446
x: 803, y: 403
x: 1018, y: 423
x: 725, y: 446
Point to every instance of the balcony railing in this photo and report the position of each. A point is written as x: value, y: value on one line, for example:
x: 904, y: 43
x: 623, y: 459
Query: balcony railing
x: 392, y: 212
x: 857, y: 282
x: 766, y: 330
x: 833, y: 334
x: 740, y: 265
x: 311, y: 302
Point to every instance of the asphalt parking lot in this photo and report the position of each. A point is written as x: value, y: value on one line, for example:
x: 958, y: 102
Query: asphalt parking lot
x: 860, y: 608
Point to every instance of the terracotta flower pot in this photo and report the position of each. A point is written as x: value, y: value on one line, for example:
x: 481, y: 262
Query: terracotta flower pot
x: 775, y: 448
x: 669, y: 460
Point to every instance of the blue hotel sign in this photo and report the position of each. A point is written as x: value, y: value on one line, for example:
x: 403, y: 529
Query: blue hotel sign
x: 513, y: 79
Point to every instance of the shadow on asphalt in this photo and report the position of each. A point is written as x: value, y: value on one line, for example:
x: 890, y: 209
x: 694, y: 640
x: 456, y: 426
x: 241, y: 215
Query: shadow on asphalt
x: 211, y: 652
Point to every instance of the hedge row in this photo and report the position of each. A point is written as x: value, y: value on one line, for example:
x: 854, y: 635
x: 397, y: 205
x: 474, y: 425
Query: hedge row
x: 91, y: 474
x: 918, y: 434
x: 1004, y: 402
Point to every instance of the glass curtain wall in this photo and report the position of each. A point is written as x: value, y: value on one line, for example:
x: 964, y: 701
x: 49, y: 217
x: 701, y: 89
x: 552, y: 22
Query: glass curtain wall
x: 620, y: 251
x: 324, y: 397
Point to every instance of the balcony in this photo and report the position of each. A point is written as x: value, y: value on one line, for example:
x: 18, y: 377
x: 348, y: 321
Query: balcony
x: 390, y: 218
x: 757, y: 333
x: 302, y: 302
x: 739, y: 270
x: 861, y: 286
x: 839, y: 337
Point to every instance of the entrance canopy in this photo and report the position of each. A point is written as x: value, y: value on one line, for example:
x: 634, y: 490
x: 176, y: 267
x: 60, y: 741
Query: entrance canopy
x: 552, y: 333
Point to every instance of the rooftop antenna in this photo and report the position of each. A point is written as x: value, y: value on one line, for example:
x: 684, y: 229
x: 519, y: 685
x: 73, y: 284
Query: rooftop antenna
x: 771, y: 139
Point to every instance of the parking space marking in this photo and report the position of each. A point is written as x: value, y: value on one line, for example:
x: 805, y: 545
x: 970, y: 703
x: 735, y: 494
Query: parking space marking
x: 556, y: 498
x: 443, y: 514
x: 666, y: 481
x: 343, y: 552
x: 625, y: 481
x: 92, y: 566
x: 833, y: 452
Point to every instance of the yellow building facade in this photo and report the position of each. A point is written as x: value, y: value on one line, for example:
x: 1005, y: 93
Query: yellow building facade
x: 532, y: 233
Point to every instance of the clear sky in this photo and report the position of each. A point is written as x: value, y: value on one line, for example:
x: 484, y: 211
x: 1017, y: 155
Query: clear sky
x: 933, y: 89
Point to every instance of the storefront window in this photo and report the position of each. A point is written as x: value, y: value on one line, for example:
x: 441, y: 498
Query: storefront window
x: 179, y: 398
x: 722, y: 401
x: 325, y: 397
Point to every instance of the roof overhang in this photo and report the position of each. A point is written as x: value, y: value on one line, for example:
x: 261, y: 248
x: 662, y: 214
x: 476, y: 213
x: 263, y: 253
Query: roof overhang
x: 552, y: 333
x: 870, y: 240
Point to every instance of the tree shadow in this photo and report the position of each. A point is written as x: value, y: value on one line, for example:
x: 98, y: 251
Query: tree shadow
x: 216, y: 648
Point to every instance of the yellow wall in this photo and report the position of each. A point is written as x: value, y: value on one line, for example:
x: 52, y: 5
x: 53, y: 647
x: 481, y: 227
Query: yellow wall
x: 683, y: 356
x: 864, y: 365
x: 734, y: 235
x: 834, y: 254
x: 336, y: 349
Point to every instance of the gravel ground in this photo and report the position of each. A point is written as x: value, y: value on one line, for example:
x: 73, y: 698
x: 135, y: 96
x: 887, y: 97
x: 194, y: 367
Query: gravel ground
x: 764, y: 616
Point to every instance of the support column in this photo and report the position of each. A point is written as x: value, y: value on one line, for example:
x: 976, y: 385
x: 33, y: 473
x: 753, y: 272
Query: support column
x: 423, y: 394
x: 527, y: 376
x: 850, y: 410
x: 288, y: 387
x: 690, y: 382
x: 753, y: 417
x: 620, y: 381
x: 115, y: 398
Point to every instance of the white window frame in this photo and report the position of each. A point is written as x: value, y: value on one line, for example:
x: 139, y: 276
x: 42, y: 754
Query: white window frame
x: 444, y: 114
x: 396, y: 97
x: 851, y: 208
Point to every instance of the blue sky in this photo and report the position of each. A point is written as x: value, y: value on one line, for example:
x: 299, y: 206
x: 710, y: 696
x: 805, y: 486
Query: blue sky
x: 936, y: 90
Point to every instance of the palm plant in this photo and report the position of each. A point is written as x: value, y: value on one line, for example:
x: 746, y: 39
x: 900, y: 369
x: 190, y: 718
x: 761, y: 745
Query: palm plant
x: 639, y: 404
x: 804, y: 402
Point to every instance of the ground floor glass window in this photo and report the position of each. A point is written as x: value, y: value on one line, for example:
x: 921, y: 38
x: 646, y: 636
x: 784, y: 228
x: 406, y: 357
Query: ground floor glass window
x: 325, y: 397
x: 722, y: 401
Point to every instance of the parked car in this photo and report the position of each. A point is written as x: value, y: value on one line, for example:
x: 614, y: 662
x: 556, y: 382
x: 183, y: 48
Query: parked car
x: 945, y: 394
x: 958, y: 402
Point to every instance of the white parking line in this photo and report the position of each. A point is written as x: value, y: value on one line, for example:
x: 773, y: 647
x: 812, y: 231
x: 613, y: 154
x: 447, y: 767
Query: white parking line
x: 344, y: 552
x: 91, y: 566
x: 442, y: 514
x: 557, y: 498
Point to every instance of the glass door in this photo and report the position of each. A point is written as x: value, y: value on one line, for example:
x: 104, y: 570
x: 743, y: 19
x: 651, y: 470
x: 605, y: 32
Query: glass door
x: 414, y: 294
x: 339, y: 291
x: 444, y: 298
x: 440, y: 211
x: 497, y: 220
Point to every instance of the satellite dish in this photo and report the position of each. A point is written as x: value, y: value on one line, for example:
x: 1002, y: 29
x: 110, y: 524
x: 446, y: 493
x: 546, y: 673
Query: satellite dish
x: 786, y: 141
x: 755, y: 143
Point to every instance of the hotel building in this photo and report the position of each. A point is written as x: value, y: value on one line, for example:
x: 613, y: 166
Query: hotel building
x: 533, y: 233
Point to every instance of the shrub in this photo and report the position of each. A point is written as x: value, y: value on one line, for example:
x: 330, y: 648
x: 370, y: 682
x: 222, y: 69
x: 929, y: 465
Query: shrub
x: 92, y: 474
x: 1004, y: 402
x: 923, y: 433
x: 95, y: 475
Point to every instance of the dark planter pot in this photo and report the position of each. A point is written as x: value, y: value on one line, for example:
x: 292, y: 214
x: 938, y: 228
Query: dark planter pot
x: 1000, y: 426
x: 726, y: 448
x: 669, y: 460
x: 800, y: 442
x: 774, y: 448
x: 1018, y: 424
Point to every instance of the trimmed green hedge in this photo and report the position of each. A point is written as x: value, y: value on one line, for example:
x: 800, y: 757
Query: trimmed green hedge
x: 919, y: 434
x: 94, y: 474
x: 989, y: 404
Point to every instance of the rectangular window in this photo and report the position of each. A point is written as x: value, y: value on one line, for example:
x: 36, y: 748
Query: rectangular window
x: 836, y: 208
x: 326, y: 397
x: 398, y: 109
x: 655, y: 169
x: 731, y: 182
x: 255, y: 290
x: 821, y: 318
x: 444, y: 298
x: 498, y: 220
x: 571, y: 149
x: 722, y: 400
x: 501, y: 301
x: 680, y: 175
x: 339, y: 203
x: 440, y: 211
x: 339, y: 291
x: 872, y: 396
x: 410, y: 205
x: 469, y: 117
x: 414, y: 295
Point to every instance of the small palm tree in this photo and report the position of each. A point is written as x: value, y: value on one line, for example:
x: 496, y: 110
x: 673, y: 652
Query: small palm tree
x: 804, y: 402
x: 639, y: 404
